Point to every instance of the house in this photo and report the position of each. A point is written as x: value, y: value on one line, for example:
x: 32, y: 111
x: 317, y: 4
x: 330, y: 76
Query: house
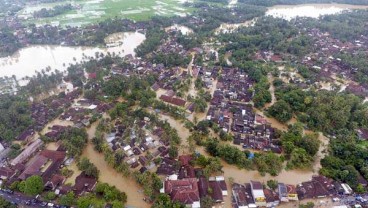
x: 6, y: 173
x: 347, y: 189
x: 55, y: 181
x: 26, y: 135
x: 34, y: 167
x: 291, y: 193
x: 318, y: 187
x: 185, y: 159
x: 27, y: 152
x: 258, y: 194
x: 363, y: 134
x: 84, y: 183
x: 219, y: 189
x: 283, y: 193
x: 242, y: 196
x: 1, y: 148
x: 184, y: 191
x: 272, y: 198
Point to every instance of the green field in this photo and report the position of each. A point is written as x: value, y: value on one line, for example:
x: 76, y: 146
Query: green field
x: 90, y: 11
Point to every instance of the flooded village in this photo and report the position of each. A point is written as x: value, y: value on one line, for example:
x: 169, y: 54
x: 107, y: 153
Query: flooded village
x: 157, y: 114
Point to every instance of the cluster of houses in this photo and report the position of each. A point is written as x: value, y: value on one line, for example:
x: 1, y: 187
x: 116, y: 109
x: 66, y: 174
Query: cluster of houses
x: 45, y: 111
x: 47, y: 164
x: 186, y: 185
x: 80, y: 113
x: 231, y: 110
x: 325, y: 61
x: 139, y: 148
x: 254, y: 194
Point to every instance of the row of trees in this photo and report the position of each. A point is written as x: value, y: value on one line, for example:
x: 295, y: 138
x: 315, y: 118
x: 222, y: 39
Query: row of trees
x: 57, y: 10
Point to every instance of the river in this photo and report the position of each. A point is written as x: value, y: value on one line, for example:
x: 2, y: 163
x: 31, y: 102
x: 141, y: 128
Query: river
x: 28, y: 60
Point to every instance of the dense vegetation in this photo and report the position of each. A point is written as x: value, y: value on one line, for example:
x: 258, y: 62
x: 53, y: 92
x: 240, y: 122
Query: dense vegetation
x: 74, y: 140
x: 57, y: 10
x: 14, y: 116
x: 321, y: 110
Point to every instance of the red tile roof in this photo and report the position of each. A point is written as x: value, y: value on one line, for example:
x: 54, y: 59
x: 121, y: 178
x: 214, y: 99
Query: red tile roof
x: 185, y: 159
x: 184, y: 191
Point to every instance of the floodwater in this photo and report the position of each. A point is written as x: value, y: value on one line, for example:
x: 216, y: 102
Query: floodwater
x: 111, y: 176
x: 183, y: 29
x: 34, y: 58
x: 229, y: 28
x: 232, y: 3
x: 272, y: 90
x: 289, y: 12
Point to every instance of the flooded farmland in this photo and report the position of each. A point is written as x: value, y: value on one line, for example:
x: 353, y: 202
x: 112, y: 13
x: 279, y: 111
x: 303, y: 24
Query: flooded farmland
x: 289, y: 12
x: 34, y: 58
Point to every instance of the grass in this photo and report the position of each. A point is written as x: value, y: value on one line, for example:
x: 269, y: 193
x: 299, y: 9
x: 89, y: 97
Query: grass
x: 92, y: 11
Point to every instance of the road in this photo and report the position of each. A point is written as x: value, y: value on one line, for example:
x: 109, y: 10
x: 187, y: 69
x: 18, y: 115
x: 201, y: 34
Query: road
x: 19, y: 198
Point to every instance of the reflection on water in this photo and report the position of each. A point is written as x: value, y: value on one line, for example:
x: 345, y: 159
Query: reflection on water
x: 289, y: 12
x: 28, y: 60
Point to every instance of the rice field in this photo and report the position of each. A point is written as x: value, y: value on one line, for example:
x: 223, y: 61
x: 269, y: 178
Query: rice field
x: 90, y: 11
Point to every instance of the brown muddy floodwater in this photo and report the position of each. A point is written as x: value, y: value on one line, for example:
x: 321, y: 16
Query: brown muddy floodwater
x: 229, y: 28
x: 27, y: 61
x: 289, y: 12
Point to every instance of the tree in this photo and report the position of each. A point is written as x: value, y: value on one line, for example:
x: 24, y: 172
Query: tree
x: 173, y: 152
x: 310, y: 143
x: 272, y: 184
x: 207, y: 202
x: 84, y: 202
x: 163, y: 200
x: 117, y: 204
x: 268, y: 163
x: 6, y: 204
x: 50, y: 196
x: 89, y: 168
x: 67, y: 199
x: 281, y: 111
x: 33, y: 185
x: 308, y: 205
x: 299, y: 159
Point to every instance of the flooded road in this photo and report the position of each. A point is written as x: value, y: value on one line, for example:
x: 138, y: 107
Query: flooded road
x: 272, y: 90
x: 289, y: 12
x: 34, y: 58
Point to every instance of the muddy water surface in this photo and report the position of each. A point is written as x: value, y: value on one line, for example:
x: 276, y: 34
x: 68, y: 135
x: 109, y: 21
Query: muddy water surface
x: 289, y: 12
x: 34, y: 58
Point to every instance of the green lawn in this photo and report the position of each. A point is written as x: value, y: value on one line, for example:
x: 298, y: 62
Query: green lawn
x: 91, y: 11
